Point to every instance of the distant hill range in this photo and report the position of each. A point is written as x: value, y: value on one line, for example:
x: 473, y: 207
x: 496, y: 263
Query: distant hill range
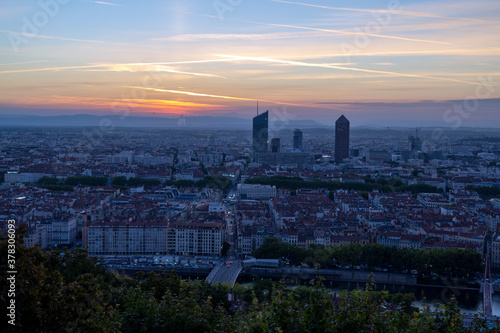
x: 231, y: 121
x: 85, y: 120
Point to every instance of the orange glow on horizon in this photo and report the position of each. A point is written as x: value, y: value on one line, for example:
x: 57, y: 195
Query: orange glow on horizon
x: 117, y: 105
x: 189, y: 93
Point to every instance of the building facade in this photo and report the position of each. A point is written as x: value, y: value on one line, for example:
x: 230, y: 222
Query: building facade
x: 60, y: 232
x: 275, y: 145
x: 255, y: 191
x: 297, y: 139
x: 196, y: 238
x: 108, y: 238
x: 342, y: 126
x: 260, y: 133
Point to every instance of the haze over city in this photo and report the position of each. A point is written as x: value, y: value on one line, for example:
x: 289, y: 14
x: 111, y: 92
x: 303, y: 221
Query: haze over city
x: 400, y: 63
x: 250, y: 166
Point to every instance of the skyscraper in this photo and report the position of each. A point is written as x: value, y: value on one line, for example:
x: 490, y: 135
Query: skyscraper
x: 260, y: 134
x: 415, y: 142
x: 297, y: 139
x: 275, y: 145
x: 341, y: 139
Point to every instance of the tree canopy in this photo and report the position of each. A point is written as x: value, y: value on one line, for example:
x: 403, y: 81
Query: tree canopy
x: 383, y: 185
x: 452, y: 262
x: 70, y: 292
x: 66, y: 184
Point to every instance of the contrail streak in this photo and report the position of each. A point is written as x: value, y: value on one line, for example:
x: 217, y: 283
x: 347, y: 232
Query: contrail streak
x: 485, y: 51
x: 306, y: 64
x: 169, y: 70
x: 112, y: 65
x: 106, y: 3
x: 24, y: 62
x: 343, y: 32
x: 395, y: 12
x: 27, y: 35
x: 189, y: 93
x: 340, y: 32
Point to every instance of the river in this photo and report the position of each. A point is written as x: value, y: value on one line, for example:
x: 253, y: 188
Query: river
x: 469, y: 301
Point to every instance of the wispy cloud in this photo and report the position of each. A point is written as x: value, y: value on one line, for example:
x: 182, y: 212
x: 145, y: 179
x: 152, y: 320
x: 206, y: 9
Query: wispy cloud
x: 194, y: 94
x: 106, y: 3
x: 134, y: 68
x: 267, y: 36
x: 202, y: 15
x: 26, y: 35
x: 287, y: 77
x: 307, y: 64
x: 171, y: 70
x: 467, y: 52
x: 345, y: 32
x: 114, y: 67
x: 394, y: 12
x: 27, y: 70
x: 24, y: 62
x: 339, y: 32
x: 190, y: 93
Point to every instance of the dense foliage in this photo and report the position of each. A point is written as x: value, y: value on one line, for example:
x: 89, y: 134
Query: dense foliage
x: 68, y: 292
x: 58, y: 184
x: 123, y: 181
x: 66, y: 184
x: 383, y: 185
x: 453, y: 262
x: 216, y: 182
x: 486, y: 192
x: 86, y: 181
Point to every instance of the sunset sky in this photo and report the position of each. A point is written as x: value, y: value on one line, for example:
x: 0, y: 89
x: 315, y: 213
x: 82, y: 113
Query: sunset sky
x: 404, y: 62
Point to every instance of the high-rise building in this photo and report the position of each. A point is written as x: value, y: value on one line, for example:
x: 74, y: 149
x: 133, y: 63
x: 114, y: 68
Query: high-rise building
x: 260, y: 134
x: 297, y: 139
x: 275, y: 145
x: 415, y: 142
x: 341, y: 139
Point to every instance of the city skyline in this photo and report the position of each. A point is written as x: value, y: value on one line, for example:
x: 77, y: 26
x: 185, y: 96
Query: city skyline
x: 193, y: 201
x: 415, y: 63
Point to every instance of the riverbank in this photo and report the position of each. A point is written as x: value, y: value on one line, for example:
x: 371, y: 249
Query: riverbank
x: 297, y: 275
x: 428, y: 290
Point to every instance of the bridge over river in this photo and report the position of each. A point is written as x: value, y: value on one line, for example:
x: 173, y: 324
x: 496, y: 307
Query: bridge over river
x: 226, y: 271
